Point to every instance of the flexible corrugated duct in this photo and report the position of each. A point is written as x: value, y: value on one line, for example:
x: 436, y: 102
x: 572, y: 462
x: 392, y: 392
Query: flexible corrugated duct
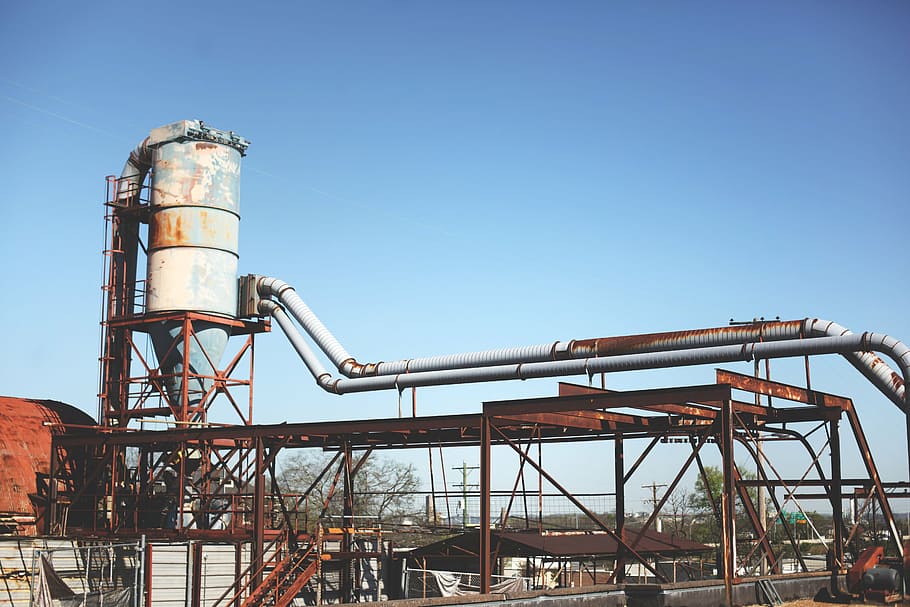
x: 589, y: 356
x: 134, y: 171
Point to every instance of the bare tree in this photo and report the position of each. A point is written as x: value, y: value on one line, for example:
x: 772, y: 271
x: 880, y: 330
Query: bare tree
x: 678, y: 513
x: 382, y: 487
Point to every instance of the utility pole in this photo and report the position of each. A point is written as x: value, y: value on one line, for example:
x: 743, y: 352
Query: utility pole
x: 464, y: 468
x: 654, y: 486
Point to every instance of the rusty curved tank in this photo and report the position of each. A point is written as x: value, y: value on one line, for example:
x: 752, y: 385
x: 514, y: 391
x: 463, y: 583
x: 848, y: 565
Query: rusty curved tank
x: 26, y: 428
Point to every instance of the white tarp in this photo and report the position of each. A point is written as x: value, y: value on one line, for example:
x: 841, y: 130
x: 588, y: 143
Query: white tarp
x: 450, y: 585
x: 52, y: 591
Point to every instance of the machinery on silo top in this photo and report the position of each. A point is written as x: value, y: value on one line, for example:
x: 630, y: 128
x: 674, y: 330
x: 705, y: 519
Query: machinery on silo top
x: 877, y: 578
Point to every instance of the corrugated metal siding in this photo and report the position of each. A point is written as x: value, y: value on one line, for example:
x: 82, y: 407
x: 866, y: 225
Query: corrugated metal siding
x: 171, y: 572
x: 16, y: 564
x: 169, y: 569
x: 218, y: 570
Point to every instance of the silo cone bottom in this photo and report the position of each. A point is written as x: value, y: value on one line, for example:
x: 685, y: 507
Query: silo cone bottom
x: 210, y: 339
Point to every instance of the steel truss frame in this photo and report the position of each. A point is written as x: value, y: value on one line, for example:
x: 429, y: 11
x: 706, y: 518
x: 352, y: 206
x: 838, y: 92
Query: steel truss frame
x: 698, y: 415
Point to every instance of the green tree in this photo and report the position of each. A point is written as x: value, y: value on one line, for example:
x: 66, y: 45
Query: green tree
x: 700, y: 498
x: 707, y: 528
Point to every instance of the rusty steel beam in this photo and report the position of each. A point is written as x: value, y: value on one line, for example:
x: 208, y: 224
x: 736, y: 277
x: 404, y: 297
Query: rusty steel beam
x: 766, y: 387
x: 608, y: 400
x: 758, y: 525
x: 486, y: 566
x: 256, y: 548
x: 706, y: 409
x: 620, y: 565
x: 642, y: 457
x: 619, y: 482
x: 872, y: 470
x: 791, y: 415
x: 464, y: 423
x: 773, y: 496
x: 564, y: 420
x: 821, y: 482
x: 591, y: 515
x: 728, y: 503
x: 693, y: 409
x: 519, y: 478
x: 145, y: 322
x: 605, y: 422
x: 837, y: 509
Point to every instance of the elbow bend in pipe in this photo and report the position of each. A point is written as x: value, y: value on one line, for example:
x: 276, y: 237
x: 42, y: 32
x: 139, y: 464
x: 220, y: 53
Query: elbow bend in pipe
x: 876, y: 370
x: 134, y: 171
x: 268, y: 286
x: 352, y: 369
x: 328, y: 383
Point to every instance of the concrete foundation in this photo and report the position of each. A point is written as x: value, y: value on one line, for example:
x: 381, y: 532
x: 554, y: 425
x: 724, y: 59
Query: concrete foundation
x: 686, y: 594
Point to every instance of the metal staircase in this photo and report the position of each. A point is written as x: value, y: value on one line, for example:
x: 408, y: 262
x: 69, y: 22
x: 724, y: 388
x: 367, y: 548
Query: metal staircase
x: 286, y: 579
x: 291, y: 564
x: 766, y: 588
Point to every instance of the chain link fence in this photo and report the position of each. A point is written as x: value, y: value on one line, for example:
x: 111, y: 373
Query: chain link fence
x: 94, y: 575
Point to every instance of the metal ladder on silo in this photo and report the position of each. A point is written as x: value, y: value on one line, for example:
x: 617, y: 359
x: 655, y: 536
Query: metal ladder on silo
x: 771, y: 596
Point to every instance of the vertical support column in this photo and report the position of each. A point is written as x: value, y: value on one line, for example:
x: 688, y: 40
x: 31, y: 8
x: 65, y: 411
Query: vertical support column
x: 485, y: 547
x: 110, y: 502
x: 50, y: 514
x: 149, y: 575
x: 907, y: 419
x: 258, y: 514
x: 196, y: 576
x: 619, y: 482
x: 837, y: 508
x: 347, y: 524
x: 185, y: 371
x: 181, y: 484
x: 875, y: 477
x: 251, y: 340
x: 238, y: 567
x: 728, y: 502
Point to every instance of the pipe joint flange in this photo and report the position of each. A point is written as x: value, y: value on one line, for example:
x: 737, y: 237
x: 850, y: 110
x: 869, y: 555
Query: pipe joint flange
x: 747, y: 352
x: 350, y: 367
x: 562, y: 350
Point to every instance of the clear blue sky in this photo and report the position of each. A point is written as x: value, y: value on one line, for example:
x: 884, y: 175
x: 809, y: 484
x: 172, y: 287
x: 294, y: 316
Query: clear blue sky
x: 441, y: 177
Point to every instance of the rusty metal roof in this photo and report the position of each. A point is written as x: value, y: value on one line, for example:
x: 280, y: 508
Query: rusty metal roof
x: 26, y: 427
x: 596, y: 543
x: 562, y: 544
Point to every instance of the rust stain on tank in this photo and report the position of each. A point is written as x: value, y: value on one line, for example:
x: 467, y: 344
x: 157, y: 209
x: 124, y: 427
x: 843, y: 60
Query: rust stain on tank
x: 201, y: 145
x: 179, y: 236
x: 207, y: 227
x: 192, y: 227
x: 168, y: 230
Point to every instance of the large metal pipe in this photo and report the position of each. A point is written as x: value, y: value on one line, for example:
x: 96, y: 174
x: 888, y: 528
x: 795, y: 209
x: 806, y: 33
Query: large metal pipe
x: 874, y: 368
x: 877, y: 371
x: 559, y: 350
x: 134, y: 171
x: 303, y: 350
x: 621, y: 362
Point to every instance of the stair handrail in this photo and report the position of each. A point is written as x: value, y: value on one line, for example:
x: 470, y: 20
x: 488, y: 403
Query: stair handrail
x: 279, y: 576
x: 275, y: 546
